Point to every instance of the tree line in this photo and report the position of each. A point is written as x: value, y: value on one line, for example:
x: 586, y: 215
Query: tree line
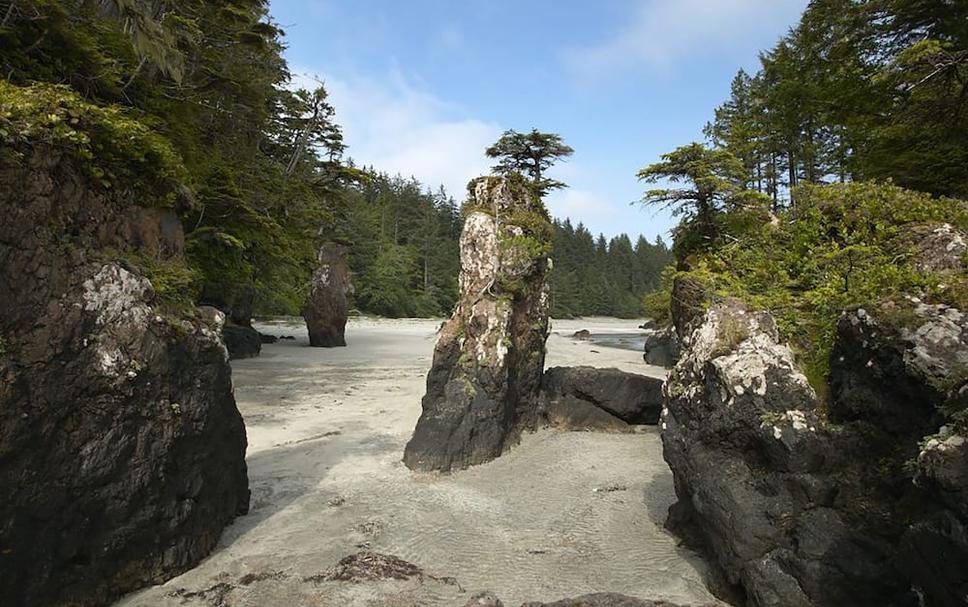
x: 264, y: 181
x: 858, y: 90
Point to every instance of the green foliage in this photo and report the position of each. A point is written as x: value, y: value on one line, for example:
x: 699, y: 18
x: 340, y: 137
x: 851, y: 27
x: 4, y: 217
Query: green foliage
x: 530, y: 154
x: 115, y: 150
x: 858, y: 90
x: 714, y: 184
x: 841, y: 246
x: 603, y: 277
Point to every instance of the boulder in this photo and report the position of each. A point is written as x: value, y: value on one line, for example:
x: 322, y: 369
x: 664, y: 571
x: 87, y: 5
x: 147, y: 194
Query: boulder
x: 661, y: 347
x: 122, y: 452
x: 582, y: 334
x: 780, y: 501
x: 484, y: 385
x: 327, y: 306
x: 865, y: 505
x: 940, y: 247
x: 602, y: 599
x: 241, y: 341
x: 587, y: 398
x: 894, y: 363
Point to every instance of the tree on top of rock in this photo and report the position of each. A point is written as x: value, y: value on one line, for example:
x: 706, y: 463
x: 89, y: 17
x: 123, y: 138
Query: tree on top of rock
x: 530, y: 154
x: 714, y: 183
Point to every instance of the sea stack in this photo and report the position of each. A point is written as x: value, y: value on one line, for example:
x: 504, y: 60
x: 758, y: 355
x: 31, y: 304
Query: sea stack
x: 483, y: 387
x: 327, y: 305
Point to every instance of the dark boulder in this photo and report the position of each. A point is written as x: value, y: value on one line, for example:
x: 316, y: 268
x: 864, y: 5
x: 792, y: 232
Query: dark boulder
x: 583, y: 335
x: 483, y: 387
x: 603, y: 599
x: 773, y: 494
x: 241, y: 341
x: 327, y: 306
x: 577, y: 398
x: 122, y: 452
x: 268, y: 339
x: 661, y: 347
x: 795, y: 510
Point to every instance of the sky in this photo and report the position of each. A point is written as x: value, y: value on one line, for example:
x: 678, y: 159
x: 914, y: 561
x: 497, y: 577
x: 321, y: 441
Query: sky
x: 422, y: 87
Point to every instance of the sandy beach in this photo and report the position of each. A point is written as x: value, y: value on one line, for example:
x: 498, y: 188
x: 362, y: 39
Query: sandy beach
x: 559, y: 515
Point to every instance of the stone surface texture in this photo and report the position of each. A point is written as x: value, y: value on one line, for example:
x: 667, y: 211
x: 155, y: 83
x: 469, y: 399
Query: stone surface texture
x: 483, y: 387
x: 121, y: 447
x: 589, y: 398
x: 327, y: 306
x: 861, y: 502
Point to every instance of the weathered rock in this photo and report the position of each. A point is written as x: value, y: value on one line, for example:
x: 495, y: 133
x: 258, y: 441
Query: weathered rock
x: 484, y: 599
x: 327, y: 306
x: 687, y: 305
x: 121, y: 448
x: 587, y: 398
x: 892, y: 372
x: 483, y: 388
x: 797, y: 511
x: 241, y: 341
x: 661, y: 347
x: 582, y: 334
x: 941, y: 247
x: 603, y: 599
x: 774, y: 494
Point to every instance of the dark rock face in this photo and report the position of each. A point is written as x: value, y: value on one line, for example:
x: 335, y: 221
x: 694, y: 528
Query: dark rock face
x: 603, y: 599
x: 241, y: 341
x: 121, y: 448
x: 796, y: 511
x: 586, y: 398
x: 483, y: 387
x: 662, y: 347
x: 327, y: 306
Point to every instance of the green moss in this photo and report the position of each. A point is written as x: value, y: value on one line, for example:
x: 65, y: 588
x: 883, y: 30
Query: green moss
x: 176, y: 284
x: 842, y: 246
x: 112, y: 148
x: 730, y: 333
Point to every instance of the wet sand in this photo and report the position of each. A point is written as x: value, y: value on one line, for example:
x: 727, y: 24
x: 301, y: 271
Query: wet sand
x: 559, y: 515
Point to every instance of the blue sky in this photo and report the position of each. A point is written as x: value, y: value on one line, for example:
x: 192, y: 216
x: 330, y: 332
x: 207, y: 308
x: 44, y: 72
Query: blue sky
x: 421, y: 87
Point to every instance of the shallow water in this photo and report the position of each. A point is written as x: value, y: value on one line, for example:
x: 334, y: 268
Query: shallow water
x: 623, y: 341
x: 326, y: 431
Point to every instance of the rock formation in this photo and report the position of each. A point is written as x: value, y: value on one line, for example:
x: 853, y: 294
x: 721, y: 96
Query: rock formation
x: 483, y: 387
x: 326, y: 306
x: 241, y: 339
x: 661, y: 347
x: 861, y: 504
x: 122, y: 452
x: 586, y: 398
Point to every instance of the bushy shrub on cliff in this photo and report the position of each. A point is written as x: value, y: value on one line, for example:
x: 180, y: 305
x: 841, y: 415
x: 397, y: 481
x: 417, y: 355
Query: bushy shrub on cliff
x: 840, y: 246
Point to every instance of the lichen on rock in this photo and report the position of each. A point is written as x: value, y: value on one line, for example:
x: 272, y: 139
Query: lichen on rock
x: 327, y: 306
x: 483, y: 388
x: 122, y: 452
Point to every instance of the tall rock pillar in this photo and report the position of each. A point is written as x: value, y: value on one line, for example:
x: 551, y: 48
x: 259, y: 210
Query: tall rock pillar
x: 483, y: 388
x: 327, y: 306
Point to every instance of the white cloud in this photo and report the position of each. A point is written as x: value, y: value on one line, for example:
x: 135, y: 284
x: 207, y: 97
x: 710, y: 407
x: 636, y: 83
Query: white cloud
x: 661, y: 32
x: 582, y: 205
x: 396, y: 127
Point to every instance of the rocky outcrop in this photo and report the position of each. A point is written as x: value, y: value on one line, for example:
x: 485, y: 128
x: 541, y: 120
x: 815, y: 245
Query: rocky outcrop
x: 587, y: 398
x: 661, y: 347
x: 797, y: 510
x: 603, y: 599
x: 327, y: 306
x: 121, y: 447
x: 483, y: 387
x: 940, y: 247
x: 241, y: 341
